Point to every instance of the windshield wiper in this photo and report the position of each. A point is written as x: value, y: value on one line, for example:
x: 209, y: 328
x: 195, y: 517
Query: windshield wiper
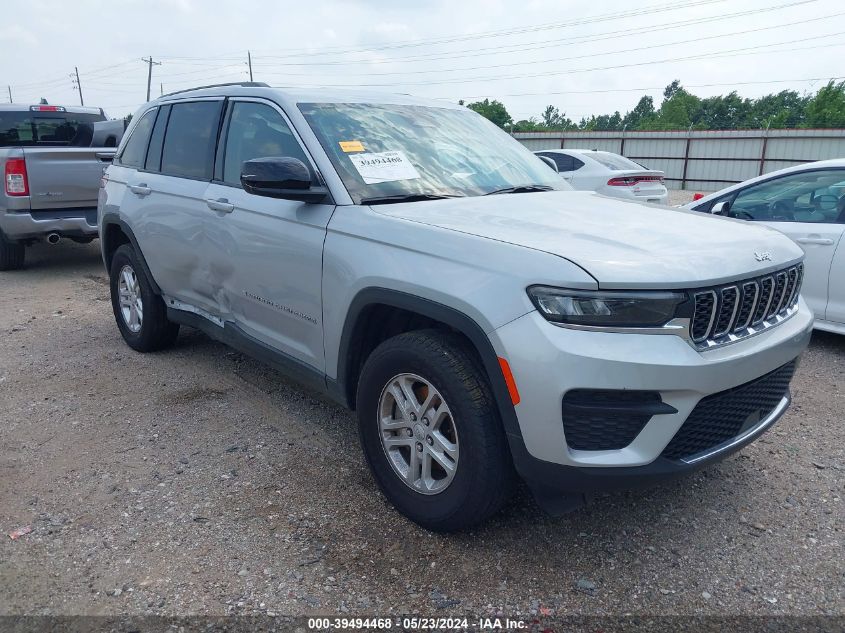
x: 407, y: 197
x: 521, y: 189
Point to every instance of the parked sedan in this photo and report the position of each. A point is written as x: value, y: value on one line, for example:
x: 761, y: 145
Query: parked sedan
x: 609, y: 174
x: 807, y: 203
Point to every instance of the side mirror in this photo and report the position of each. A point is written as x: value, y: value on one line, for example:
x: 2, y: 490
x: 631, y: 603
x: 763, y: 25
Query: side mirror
x: 721, y: 208
x: 548, y: 162
x: 280, y: 177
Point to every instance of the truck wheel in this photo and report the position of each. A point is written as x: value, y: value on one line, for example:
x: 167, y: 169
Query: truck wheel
x: 140, y: 313
x: 431, y: 432
x: 11, y: 254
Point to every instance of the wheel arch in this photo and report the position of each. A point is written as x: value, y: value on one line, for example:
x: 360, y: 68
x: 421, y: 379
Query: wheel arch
x: 114, y: 232
x: 353, y: 341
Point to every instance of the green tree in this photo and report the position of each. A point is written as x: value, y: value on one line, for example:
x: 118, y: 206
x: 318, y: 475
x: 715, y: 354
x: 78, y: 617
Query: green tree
x: 782, y: 110
x: 679, y: 110
x: 639, y: 117
x: 493, y: 110
x: 827, y: 108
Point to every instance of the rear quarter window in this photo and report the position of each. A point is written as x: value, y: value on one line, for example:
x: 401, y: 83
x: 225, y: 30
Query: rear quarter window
x: 135, y: 149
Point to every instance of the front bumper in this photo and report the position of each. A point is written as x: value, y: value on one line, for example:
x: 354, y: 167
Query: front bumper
x: 22, y: 225
x: 548, y: 361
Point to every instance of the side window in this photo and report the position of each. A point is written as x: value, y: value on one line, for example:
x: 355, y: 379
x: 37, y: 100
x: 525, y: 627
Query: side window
x: 157, y: 140
x: 190, y: 139
x: 812, y: 196
x: 136, y: 147
x: 256, y: 130
x: 563, y: 161
x: 576, y: 164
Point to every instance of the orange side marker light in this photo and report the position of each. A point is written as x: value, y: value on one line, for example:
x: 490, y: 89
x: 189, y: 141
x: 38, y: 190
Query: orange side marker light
x: 509, y: 381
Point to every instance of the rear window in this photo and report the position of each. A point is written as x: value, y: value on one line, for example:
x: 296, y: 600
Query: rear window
x: 50, y: 129
x: 614, y: 161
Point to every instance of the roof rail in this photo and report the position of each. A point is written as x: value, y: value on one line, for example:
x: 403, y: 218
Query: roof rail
x: 244, y: 84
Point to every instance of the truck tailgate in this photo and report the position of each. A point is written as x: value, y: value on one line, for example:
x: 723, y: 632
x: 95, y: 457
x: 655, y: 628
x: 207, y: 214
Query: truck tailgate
x: 65, y: 177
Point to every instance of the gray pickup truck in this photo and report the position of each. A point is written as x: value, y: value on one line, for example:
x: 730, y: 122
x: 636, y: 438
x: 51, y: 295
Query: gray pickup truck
x: 52, y: 159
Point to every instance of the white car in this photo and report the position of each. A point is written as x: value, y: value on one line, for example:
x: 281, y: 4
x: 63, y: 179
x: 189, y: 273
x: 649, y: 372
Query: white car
x: 807, y: 203
x: 608, y: 174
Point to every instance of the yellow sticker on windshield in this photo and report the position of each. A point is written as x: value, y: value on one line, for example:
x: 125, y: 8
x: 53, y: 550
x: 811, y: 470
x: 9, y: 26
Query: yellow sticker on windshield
x: 351, y: 146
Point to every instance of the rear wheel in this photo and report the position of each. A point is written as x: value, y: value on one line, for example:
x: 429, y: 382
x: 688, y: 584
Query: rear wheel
x: 140, y: 313
x: 11, y: 254
x: 431, y: 432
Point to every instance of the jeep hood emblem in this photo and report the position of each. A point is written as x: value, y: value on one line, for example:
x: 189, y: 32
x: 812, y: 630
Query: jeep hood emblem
x: 765, y: 256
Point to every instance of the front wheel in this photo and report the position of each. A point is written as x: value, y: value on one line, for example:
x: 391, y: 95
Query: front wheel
x: 431, y: 432
x: 140, y: 313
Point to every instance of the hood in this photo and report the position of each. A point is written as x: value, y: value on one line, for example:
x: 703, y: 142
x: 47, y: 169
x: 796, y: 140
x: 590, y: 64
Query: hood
x: 621, y: 244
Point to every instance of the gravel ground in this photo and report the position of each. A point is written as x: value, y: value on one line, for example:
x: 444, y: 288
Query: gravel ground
x: 197, y: 481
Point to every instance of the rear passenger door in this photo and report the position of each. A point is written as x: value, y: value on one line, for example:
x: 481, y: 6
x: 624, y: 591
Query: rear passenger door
x: 170, y: 215
x: 266, y: 252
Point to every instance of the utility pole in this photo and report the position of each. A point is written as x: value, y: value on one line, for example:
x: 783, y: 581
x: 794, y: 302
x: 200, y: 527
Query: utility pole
x: 10, y: 94
x: 249, y: 61
x: 78, y: 85
x: 149, y: 61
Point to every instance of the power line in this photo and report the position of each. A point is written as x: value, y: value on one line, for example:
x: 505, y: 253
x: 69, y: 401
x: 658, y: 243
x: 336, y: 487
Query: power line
x: 646, y: 89
x: 515, y: 48
x: 616, y: 15
x: 719, y: 54
x: 584, y: 56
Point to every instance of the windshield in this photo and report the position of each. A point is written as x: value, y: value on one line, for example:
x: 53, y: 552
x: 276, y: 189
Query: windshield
x: 385, y: 151
x: 29, y: 128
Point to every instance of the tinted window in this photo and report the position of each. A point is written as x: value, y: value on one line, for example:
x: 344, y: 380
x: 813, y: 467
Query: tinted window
x: 157, y: 140
x: 29, y: 128
x: 136, y: 147
x: 576, y: 164
x: 256, y: 131
x: 813, y: 196
x: 190, y: 139
x: 563, y: 161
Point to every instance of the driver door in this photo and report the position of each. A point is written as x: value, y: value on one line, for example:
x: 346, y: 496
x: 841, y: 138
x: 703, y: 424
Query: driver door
x: 805, y: 206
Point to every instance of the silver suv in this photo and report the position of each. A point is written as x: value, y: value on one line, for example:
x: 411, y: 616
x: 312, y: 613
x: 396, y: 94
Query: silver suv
x: 419, y: 265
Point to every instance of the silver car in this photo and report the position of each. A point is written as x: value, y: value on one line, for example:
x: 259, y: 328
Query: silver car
x: 420, y: 266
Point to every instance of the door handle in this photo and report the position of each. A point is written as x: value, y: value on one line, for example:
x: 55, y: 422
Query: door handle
x: 822, y: 241
x: 140, y: 190
x: 222, y: 205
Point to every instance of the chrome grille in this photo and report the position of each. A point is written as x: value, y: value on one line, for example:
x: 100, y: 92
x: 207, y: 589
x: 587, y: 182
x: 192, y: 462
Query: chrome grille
x: 728, y: 303
x: 705, y: 302
x: 728, y: 313
x: 780, y: 295
x: 767, y: 287
x: 750, y: 292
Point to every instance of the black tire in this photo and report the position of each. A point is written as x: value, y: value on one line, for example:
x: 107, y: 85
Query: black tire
x: 484, y: 476
x: 12, y: 254
x: 156, y: 331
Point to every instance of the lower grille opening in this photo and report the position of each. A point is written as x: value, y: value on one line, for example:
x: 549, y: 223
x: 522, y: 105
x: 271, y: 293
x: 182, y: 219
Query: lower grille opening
x: 721, y: 417
x: 607, y: 419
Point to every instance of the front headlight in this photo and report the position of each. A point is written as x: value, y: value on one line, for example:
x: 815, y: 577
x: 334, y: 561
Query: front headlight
x: 607, y: 308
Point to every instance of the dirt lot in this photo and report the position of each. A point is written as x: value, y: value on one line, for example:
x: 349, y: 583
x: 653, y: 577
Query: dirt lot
x: 198, y: 481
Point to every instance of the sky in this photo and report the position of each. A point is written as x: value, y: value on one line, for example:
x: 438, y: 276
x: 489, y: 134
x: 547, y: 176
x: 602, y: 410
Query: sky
x: 584, y: 58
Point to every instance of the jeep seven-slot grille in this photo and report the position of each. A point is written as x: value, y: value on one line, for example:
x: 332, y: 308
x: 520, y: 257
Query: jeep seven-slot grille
x: 727, y: 313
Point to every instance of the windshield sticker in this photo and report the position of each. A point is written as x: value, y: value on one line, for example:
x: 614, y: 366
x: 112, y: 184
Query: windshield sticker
x: 352, y: 146
x: 383, y: 167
